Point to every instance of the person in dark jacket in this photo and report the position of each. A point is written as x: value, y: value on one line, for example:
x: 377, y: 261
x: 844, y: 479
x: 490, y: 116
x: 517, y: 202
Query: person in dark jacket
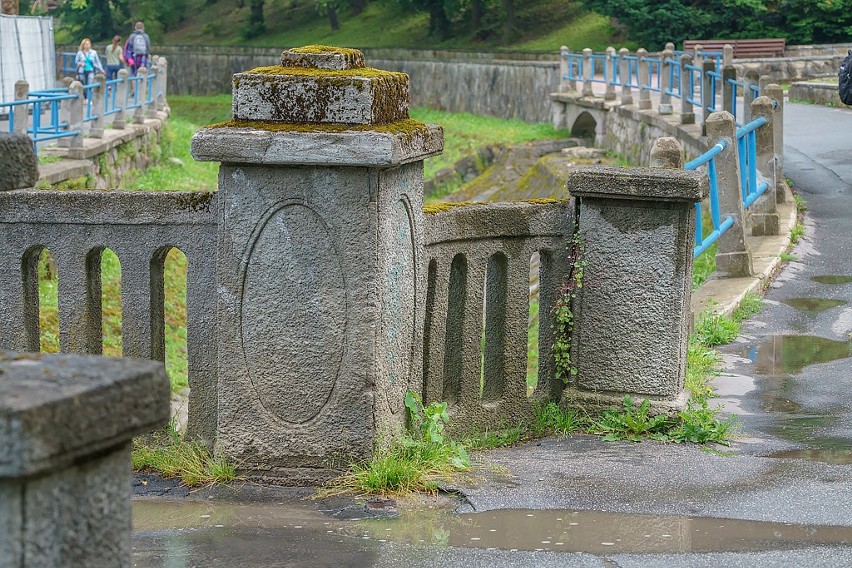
x: 138, y: 48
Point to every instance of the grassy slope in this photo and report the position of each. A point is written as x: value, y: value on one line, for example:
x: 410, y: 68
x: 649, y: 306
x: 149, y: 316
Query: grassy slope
x: 543, y: 25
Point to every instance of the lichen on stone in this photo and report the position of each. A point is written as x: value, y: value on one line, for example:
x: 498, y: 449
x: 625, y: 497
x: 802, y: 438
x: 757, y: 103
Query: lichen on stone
x: 443, y: 206
x: 408, y: 128
x: 363, y: 72
x: 352, y: 58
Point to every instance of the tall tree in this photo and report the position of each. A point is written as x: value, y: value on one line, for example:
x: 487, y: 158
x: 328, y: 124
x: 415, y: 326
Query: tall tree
x: 476, y: 10
x: 256, y: 22
x: 508, y: 20
x: 329, y: 8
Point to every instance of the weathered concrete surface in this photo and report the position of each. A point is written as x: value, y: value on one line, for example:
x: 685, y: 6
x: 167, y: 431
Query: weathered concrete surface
x: 820, y: 93
x: 19, y: 167
x: 65, y: 429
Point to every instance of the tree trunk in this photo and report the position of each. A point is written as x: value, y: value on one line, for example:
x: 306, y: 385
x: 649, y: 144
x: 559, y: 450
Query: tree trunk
x: 357, y: 6
x: 9, y: 7
x: 475, y: 15
x: 332, y: 18
x: 439, y: 25
x: 508, y: 20
x: 256, y: 19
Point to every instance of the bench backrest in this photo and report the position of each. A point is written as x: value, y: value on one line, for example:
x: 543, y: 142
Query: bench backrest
x: 742, y: 47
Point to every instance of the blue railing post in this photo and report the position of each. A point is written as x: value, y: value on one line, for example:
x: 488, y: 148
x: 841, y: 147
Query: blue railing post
x: 687, y: 116
x: 19, y: 115
x: 666, y: 75
x: 732, y: 257
x: 644, y: 79
x: 609, y: 74
x: 98, y: 95
x: 624, y: 76
x: 588, y: 72
x: 750, y: 88
x: 765, y: 216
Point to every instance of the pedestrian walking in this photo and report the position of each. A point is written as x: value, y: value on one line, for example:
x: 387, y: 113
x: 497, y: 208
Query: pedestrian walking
x: 87, y: 63
x: 138, y: 47
x: 114, y: 57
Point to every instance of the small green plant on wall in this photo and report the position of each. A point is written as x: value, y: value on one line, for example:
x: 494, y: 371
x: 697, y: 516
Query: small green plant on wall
x: 563, y: 314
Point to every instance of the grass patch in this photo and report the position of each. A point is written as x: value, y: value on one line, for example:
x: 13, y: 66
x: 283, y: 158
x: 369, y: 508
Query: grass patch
x: 703, y: 266
x: 788, y: 257
x: 796, y: 233
x: 713, y: 329
x: 801, y: 206
x: 553, y: 419
x: 174, y: 457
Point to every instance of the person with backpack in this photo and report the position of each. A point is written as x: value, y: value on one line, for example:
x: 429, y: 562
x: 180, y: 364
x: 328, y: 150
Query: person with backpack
x: 137, y: 48
x: 844, y: 85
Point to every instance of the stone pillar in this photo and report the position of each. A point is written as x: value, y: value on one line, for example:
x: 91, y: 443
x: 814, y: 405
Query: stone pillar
x: 751, y: 78
x: 697, y: 58
x: 644, y: 79
x: 609, y: 73
x: 76, y: 114
x: 764, y: 215
x: 565, y: 85
x: 729, y: 101
x: 142, y: 90
x: 637, y: 227
x: 733, y: 257
x: 775, y: 93
x: 707, y: 99
x: 588, y: 73
x: 624, y: 75
x: 65, y: 474
x: 20, y: 113
x: 119, y: 120
x: 64, y: 112
x: 98, y: 99
x: 762, y: 82
x: 19, y: 166
x: 687, y: 116
x: 154, y: 91
x: 162, y: 101
x: 665, y: 106
x: 320, y: 245
x: 727, y: 55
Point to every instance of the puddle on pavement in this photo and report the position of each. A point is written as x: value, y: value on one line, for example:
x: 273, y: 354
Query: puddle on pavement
x: 789, y: 354
x: 833, y: 279
x: 813, y: 305
x: 833, y: 456
x: 183, y: 534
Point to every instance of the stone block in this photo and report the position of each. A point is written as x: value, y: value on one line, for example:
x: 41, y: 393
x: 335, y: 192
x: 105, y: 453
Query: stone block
x: 19, y: 166
x: 323, y: 57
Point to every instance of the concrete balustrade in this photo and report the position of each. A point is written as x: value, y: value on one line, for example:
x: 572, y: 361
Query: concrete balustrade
x: 764, y: 218
x: 98, y: 95
x: 644, y: 79
x: 588, y: 72
x: 687, y: 116
x: 609, y: 94
x: 624, y: 77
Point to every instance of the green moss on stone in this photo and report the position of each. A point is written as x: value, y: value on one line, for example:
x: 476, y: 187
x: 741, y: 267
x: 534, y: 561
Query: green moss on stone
x: 408, y: 127
x: 306, y: 56
x: 362, y: 73
x: 442, y: 206
x: 346, y: 51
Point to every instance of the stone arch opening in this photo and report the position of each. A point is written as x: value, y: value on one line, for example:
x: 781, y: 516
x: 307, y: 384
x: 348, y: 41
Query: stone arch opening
x: 585, y: 126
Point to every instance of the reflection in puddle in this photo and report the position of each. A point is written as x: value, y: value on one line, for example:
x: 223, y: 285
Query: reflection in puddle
x: 832, y: 279
x: 813, y: 305
x: 835, y: 456
x: 597, y: 532
x: 789, y: 354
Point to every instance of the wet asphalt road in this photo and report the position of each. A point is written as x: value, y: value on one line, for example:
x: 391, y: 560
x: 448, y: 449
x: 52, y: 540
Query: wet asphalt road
x: 788, y: 378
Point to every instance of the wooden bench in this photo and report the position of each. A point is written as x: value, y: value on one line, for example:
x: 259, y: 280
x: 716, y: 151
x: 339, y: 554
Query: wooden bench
x: 742, y: 47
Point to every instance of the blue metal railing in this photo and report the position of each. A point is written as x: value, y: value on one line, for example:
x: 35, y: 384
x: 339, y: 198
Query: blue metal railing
x: 747, y: 148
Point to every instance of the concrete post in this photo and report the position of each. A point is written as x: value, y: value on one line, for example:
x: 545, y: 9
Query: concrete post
x: 762, y: 83
x: 76, y: 114
x: 733, y: 257
x: 637, y: 227
x: 19, y: 166
x: 667, y: 154
x: 764, y: 217
x: 588, y: 73
x: 320, y: 234
x: 644, y: 79
x: 750, y: 80
x: 727, y: 55
x: 154, y: 91
x: 20, y: 114
x: 162, y: 100
x: 564, y: 66
x: 687, y: 116
x: 775, y: 93
x: 142, y: 88
x: 609, y: 93
x: 64, y: 112
x: 624, y: 76
x: 707, y: 99
x: 119, y: 120
x: 697, y: 58
x: 64, y: 478
x: 666, y: 59
x: 98, y: 99
x: 729, y: 73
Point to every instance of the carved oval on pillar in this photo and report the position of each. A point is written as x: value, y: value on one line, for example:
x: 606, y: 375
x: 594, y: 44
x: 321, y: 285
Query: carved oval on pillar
x: 293, y: 313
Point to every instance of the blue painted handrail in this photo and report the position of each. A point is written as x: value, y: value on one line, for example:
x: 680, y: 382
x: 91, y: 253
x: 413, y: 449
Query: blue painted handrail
x: 702, y: 243
x: 747, y: 147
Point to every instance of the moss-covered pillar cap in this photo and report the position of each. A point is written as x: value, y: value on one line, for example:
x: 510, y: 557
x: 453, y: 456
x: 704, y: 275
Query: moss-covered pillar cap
x: 321, y: 106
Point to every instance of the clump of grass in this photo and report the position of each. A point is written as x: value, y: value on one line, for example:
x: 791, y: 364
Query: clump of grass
x: 796, y: 233
x: 787, y: 257
x: 717, y: 329
x: 703, y: 266
x: 801, y: 206
x: 176, y: 457
x: 416, y: 462
x: 498, y: 438
x: 552, y: 419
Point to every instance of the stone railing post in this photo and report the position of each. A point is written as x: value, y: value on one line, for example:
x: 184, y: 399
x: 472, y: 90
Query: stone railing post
x: 142, y: 89
x: 733, y: 257
x: 698, y: 58
x: 609, y: 73
x: 624, y: 76
x: 762, y: 82
x: 764, y: 217
x: 162, y: 101
x: 65, y: 474
x: 775, y: 93
x: 666, y: 58
x: 153, y: 91
x: 76, y: 114
x: 729, y: 73
x: 588, y: 73
x: 64, y: 112
x: 708, y: 101
x: 727, y: 55
x: 320, y: 245
x: 750, y: 79
x: 20, y: 114
x: 119, y: 120
x: 18, y: 169
x: 644, y: 79
x: 98, y: 98
x: 687, y: 116
x: 564, y: 66
x: 637, y: 227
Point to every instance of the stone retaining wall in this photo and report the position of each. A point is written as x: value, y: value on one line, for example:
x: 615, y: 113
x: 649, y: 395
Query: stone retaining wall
x: 816, y: 93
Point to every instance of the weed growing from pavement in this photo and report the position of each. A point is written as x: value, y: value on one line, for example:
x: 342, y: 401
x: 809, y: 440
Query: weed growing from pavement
x: 176, y: 457
x: 796, y: 233
x: 787, y: 257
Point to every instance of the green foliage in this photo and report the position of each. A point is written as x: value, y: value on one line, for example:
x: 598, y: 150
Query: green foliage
x: 801, y: 206
x: 717, y: 329
x: 631, y: 422
x: 563, y: 315
x: 101, y: 19
x: 552, y: 419
x: 499, y: 438
x: 430, y: 422
x: 796, y: 233
x: 700, y: 424
x: 703, y: 266
x: 702, y: 363
x: 787, y: 257
x: 176, y: 457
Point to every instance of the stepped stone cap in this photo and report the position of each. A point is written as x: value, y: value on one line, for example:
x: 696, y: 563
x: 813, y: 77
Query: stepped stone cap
x: 56, y: 409
x: 638, y: 184
x: 321, y: 87
x: 323, y: 57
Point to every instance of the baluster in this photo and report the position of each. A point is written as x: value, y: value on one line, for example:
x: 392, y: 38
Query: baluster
x: 687, y: 116
x: 588, y: 73
x: 142, y: 93
x: 98, y: 98
x: 609, y: 74
x: 765, y: 216
x: 666, y: 58
x: 644, y: 79
x: 624, y: 76
x: 20, y: 113
x: 120, y: 118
